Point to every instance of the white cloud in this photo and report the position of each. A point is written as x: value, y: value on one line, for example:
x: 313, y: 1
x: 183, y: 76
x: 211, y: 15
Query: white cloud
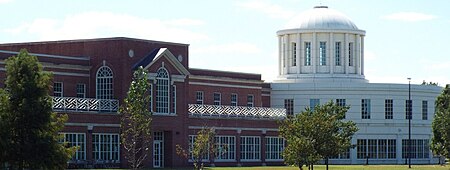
x: 409, y: 16
x: 107, y: 24
x: 5, y: 1
x: 272, y: 10
x: 225, y: 49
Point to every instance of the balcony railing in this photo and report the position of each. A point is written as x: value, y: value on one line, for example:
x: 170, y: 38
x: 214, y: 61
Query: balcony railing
x: 85, y: 104
x: 236, y: 111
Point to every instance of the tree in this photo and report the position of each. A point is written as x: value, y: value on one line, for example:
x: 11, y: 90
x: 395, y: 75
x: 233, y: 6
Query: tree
x: 202, y: 147
x: 28, y: 118
x: 440, y: 142
x: 316, y: 134
x: 136, y: 120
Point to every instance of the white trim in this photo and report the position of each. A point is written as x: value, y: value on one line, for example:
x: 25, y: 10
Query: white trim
x: 92, y: 124
x: 164, y: 52
x: 225, y: 79
x: 48, y: 55
x: 237, y: 129
x: 59, y: 73
x: 76, y: 133
x: 224, y: 85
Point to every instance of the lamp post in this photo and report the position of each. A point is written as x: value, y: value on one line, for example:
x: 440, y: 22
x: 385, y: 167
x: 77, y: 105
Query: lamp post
x: 409, y: 110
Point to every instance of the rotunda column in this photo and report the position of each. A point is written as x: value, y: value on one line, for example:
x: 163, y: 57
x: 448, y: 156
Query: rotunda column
x: 358, y: 54
x: 298, y: 52
x: 346, y: 47
x: 280, y: 56
x: 313, y: 54
x: 286, y: 53
x: 332, y: 49
x: 362, y: 55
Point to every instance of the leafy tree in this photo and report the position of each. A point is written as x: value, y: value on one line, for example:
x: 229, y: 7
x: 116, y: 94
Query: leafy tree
x: 31, y: 125
x: 136, y: 120
x: 316, y: 134
x: 203, y: 147
x: 440, y: 142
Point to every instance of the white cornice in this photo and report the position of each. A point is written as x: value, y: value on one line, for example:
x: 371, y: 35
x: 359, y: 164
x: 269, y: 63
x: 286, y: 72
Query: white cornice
x: 224, y: 79
x: 224, y: 85
x: 49, y: 56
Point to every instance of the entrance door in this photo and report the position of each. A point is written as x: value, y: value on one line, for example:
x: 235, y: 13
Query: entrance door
x: 158, y: 150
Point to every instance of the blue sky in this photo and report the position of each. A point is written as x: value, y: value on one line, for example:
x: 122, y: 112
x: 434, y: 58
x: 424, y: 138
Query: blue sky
x: 404, y: 38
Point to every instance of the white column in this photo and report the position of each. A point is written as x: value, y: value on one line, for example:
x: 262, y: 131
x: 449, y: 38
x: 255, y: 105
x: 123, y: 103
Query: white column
x: 286, y: 54
x: 346, y: 53
x: 299, y: 43
x: 331, y: 53
x: 362, y: 55
x: 280, y: 56
x: 313, y: 53
x: 358, y: 54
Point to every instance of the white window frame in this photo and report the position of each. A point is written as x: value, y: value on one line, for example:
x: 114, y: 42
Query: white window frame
x: 81, y: 152
x: 424, y: 110
x: 217, y: 101
x: 151, y: 97
x: 337, y: 53
x: 365, y: 108
x: 162, y: 91
x: 230, y: 153
x: 199, y: 97
x: 294, y: 54
x: 322, y: 53
x: 350, y: 54
x: 81, y: 90
x: 104, y: 84
x: 234, y: 99
x: 174, y: 99
x: 250, y: 147
x: 289, y: 106
x: 250, y: 100
x: 388, y: 109
x: 98, y: 153
x: 274, y: 148
x: 307, y: 53
x: 191, y: 141
x: 58, y: 91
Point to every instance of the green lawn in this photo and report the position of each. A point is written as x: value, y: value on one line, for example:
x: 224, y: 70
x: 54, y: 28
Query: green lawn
x: 341, y: 167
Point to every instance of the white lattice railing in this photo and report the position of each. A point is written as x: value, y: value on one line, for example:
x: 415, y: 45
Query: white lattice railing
x: 85, y: 104
x: 236, y: 111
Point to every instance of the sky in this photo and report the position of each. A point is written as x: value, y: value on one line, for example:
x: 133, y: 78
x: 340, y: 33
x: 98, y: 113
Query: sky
x: 404, y: 38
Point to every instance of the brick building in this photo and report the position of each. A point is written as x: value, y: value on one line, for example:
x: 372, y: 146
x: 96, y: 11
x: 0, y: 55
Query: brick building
x: 92, y: 77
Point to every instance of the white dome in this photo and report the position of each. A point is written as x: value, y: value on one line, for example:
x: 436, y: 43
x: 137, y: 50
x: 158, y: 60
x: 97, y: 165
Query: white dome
x: 321, y: 17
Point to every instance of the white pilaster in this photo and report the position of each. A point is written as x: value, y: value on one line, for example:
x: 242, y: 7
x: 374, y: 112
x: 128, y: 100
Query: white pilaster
x: 299, y: 43
x: 314, y: 52
x: 286, y: 54
x: 346, y: 53
x: 358, y: 54
x: 362, y: 55
x: 331, y: 52
x: 280, y: 56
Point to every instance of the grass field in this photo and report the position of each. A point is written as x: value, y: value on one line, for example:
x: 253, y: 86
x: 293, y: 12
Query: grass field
x: 341, y: 167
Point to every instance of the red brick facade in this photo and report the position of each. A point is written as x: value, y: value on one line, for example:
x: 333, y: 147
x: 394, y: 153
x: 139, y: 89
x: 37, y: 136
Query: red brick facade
x: 77, y: 62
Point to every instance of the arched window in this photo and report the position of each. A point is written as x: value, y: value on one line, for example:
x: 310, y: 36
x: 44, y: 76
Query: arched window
x: 104, y: 83
x: 162, y: 91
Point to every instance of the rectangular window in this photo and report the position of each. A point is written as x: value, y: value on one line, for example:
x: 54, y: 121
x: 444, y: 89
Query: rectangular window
x: 81, y: 90
x: 323, y: 53
x: 388, y: 109
x: 234, y: 99
x: 226, y: 146
x: 313, y: 103
x: 151, y: 97
x: 105, y: 147
x: 199, y: 97
x: 392, y: 149
x: 408, y: 109
x: 419, y: 148
x: 376, y: 148
x: 307, y: 53
x: 337, y: 53
x: 424, y: 110
x: 78, y: 140
x: 250, y: 148
x: 274, y: 148
x: 217, y: 99
x: 365, y: 108
x: 350, y: 54
x: 250, y: 102
x: 289, y: 106
x: 361, y: 148
x: 191, y: 147
x: 340, y: 102
x: 344, y: 155
x: 372, y: 148
x: 58, y: 89
x: 294, y: 54
x: 174, y: 99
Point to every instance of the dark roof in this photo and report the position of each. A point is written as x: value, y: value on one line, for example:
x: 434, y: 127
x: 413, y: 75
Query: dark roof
x: 146, y: 60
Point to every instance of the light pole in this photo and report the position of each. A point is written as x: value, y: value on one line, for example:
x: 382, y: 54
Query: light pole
x: 409, y: 109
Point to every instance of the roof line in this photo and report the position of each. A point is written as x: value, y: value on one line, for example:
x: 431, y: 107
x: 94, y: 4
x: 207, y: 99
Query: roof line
x: 49, y: 55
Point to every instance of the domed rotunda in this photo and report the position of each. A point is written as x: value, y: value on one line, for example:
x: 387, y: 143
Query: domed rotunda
x: 321, y: 44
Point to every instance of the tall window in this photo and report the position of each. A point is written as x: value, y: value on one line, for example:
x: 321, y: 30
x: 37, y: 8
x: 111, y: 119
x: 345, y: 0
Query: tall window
x: 162, y: 91
x: 323, y: 53
x: 361, y: 148
x: 313, y: 103
x: 376, y: 148
x: 192, y: 139
x: 274, y: 148
x: 294, y: 54
x: 199, y: 97
x: 81, y: 90
x: 250, y: 100
x: 58, y: 89
x: 226, y: 147
x: 340, y: 102
x: 337, y: 53
x: 424, y: 110
x: 350, y: 54
x: 307, y: 53
x: 408, y: 109
x: 250, y: 148
x: 388, y: 109
x: 174, y: 99
x: 104, y: 83
x: 105, y: 147
x: 419, y: 148
x: 217, y: 98
x: 79, y: 140
x: 234, y: 99
x: 289, y: 106
x: 151, y: 97
x: 365, y: 108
